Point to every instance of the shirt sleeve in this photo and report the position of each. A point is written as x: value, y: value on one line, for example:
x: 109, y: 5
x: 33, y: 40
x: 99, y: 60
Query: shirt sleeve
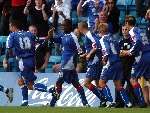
x: 137, y: 43
x: 105, y: 47
x: 9, y: 42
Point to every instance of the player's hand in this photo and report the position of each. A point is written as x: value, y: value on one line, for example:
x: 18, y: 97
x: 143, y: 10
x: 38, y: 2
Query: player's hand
x: 5, y: 63
x: 88, y: 57
x: 124, y: 53
x: 28, y: 3
x: 83, y: 55
x: 51, y: 32
x: 104, y: 60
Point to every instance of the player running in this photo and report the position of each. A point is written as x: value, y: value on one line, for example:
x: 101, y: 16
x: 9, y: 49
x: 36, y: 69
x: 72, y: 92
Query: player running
x: 68, y: 72
x: 93, y: 56
x: 22, y: 43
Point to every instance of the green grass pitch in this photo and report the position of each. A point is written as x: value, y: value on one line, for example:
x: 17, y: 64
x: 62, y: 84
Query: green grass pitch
x: 71, y: 110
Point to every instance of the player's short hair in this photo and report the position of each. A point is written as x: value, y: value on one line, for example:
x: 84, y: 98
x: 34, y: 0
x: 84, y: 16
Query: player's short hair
x: 103, y: 27
x: 68, y: 21
x: 83, y: 24
x: 16, y: 23
x: 130, y: 20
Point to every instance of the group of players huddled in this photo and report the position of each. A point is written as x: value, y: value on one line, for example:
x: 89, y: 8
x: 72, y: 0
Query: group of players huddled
x: 102, y: 53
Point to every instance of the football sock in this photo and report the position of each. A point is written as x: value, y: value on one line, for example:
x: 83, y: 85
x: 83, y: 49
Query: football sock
x: 139, y: 94
x: 107, y: 93
x: 24, y: 93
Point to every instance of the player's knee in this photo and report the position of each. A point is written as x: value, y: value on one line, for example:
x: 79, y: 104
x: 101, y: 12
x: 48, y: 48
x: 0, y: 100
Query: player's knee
x: 21, y: 82
x: 30, y: 85
x: 133, y: 82
x: 102, y: 83
x: 86, y: 84
x: 117, y: 84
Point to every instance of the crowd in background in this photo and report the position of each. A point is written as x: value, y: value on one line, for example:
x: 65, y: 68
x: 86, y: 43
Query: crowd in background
x: 38, y: 16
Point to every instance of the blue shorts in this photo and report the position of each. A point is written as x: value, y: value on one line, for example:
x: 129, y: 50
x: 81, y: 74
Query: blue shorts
x: 94, y: 71
x: 27, y: 66
x: 112, y: 72
x: 69, y: 76
x: 142, y: 68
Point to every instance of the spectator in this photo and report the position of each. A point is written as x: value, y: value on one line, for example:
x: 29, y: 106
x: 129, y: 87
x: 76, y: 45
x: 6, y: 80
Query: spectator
x: 38, y: 15
x: 141, y: 7
x: 92, y: 9
x: 103, y: 18
x: 17, y: 11
x: 4, y: 18
x: 61, y: 11
x: 74, y: 16
x: 33, y: 29
x: 113, y: 15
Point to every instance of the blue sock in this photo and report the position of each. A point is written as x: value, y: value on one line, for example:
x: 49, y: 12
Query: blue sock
x: 53, y: 101
x: 139, y: 94
x: 1, y: 88
x: 124, y: 96
x: 40, y: 87
x: 82, y: 96
x: 107, y: 93
x: 96, y: 91
x: 25, y: 93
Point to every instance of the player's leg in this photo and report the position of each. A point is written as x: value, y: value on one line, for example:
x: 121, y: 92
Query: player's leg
x: 106, y: 91
x: 93, y: 73
x: 56, y: 91
x: 138, y: 92
x: 27, y: 76
x: 92, y: 87
x: 102, y: 98
x: 24, y: 90
x: 75, y: 82
x: 81, y: 93
x: 145, y: 89
x: 8, y: 92
x: 122, y: 93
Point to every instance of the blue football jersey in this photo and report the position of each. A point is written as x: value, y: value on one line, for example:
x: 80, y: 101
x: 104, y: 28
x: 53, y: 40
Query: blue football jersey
x: 70, y: 48
x: 91, y: 41
x: 22, y: 42
x: 92, y: 11
x: 110, y: 48
x: 141, y: 42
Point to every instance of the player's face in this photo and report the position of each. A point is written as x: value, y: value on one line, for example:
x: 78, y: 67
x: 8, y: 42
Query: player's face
x: 77, y: 33
x: 80, y: 28
x: 11, y: 28
x: 125, y: 31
